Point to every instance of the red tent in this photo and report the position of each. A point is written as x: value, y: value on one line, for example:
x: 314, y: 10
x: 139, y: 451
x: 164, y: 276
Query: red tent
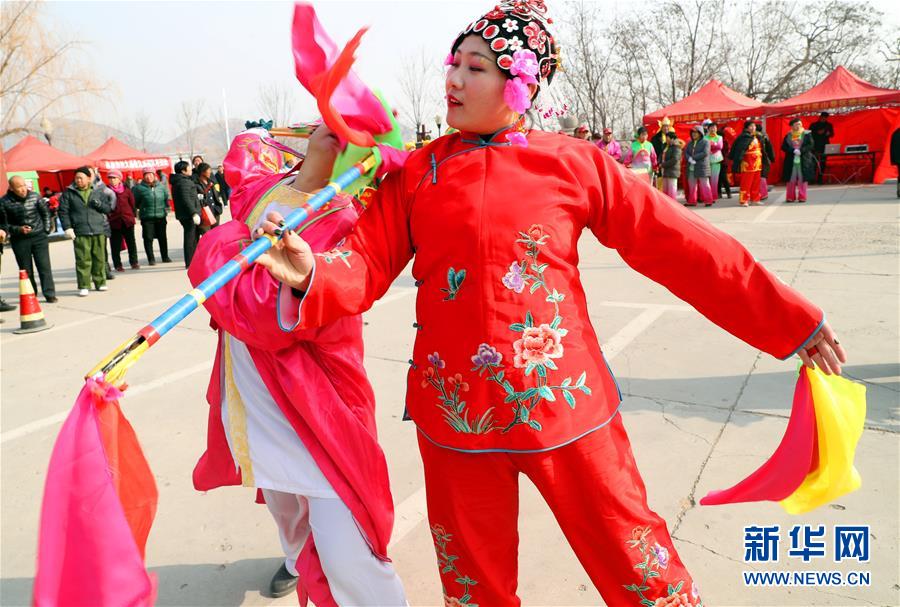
x: 55, y: 168
x: 863, y: 114
x: 713, y: 100
x: 115, y: 155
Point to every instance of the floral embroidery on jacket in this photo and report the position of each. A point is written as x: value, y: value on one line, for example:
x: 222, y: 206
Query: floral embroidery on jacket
x: 540, y: 343
x: 534, y: 352
x: 330, y: 256
x: 449, y: 402
x: 655, y: 558
x: 454, y: 282
x: 447, y: 563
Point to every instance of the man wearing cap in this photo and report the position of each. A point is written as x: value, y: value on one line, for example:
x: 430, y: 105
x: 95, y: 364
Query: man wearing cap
x: 582, y: 132
x: 609, y: 145
x: 82, y: 210
x: 28, y: 223
x: 152, y: 200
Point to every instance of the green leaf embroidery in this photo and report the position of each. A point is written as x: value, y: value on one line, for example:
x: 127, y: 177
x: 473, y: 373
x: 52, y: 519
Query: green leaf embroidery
x: 529, y: 319
x: 569, y: 398
x: 535, y: 424
x: 517, y: 326
x: 546, y: 393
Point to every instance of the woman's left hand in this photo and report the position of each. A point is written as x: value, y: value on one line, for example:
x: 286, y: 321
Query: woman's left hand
x: 824, y: 351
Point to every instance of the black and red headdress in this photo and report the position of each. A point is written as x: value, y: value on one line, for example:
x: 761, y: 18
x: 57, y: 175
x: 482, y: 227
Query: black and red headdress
x: 513, y: 26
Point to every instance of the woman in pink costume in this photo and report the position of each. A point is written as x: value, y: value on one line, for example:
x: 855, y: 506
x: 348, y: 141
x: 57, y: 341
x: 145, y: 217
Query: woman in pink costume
x: 292, y: 413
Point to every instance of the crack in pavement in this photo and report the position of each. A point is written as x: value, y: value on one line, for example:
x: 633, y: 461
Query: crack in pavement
x: 662, y: 406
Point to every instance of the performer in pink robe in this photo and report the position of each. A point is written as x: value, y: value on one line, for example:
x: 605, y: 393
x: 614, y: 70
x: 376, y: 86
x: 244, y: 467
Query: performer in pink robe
x: 292, y: 413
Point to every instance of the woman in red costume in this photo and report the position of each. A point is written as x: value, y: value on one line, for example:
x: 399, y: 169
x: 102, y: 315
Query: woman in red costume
x: 507, y: 376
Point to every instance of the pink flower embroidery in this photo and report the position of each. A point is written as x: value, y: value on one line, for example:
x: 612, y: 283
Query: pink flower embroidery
x: 449, y: 59
x: 514, y: 280
x: 517, y: 138
x: 537, y: 346
x: 516, y: 95
x: 525, y: 65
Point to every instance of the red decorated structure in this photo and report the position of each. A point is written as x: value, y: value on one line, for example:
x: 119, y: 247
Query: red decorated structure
x: 115, y: 155
x: 55, y: 168
x: 862, y: 114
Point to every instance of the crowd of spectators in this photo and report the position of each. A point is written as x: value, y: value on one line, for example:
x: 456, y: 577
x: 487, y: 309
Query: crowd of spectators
x: 101, y: 217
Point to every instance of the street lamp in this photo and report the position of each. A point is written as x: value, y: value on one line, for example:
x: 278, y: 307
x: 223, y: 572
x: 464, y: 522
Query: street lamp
x: 437, y: 120
x: 47, y: 127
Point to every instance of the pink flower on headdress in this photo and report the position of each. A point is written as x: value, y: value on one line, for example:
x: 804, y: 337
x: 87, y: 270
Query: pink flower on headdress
x: 515, y: 43
x: 449, y: 59
x: 517, y: 138
x: 525, y: 65
x: 516, y: 95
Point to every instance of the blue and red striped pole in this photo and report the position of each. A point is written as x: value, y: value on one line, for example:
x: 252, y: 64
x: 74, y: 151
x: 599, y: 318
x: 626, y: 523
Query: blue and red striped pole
x: 192, y: 300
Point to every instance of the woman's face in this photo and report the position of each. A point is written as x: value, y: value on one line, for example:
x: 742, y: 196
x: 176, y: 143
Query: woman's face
x: 114, y: 181
x: 474, y: 86
x: 797, y: 126
x: 642, y: 136
x: 713, y: 129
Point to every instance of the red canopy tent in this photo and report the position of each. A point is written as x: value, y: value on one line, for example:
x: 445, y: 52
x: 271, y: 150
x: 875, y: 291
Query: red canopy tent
x: 115, y: 155
x: 863, y: 114
x: 714, y: 100
x: 55, y: 168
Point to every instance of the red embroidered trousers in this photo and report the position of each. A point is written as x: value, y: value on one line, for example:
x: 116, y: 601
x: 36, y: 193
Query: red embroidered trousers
x: 595, y: 492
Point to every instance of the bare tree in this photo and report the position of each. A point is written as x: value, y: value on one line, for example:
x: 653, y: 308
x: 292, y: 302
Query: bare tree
x: 39, y: 71
x: 788, y: 47
x: 619, y: 67
x: 144, y: 129
x: 588, y: 68
x: 276, y: 103
x: 417, y: 85
x: 189, y: 116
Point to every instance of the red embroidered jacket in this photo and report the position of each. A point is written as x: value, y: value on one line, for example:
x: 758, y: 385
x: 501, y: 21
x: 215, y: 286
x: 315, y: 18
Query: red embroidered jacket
x: 506, y: 357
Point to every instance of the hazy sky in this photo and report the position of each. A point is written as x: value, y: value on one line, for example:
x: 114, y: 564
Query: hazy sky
x: 156, y: 54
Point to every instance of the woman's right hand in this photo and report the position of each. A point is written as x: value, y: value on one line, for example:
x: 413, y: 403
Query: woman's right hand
x: 290, y: 260
x: 318, y: 165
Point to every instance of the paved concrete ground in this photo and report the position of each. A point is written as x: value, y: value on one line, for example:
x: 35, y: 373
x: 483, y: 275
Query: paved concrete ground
x: 702, y: 410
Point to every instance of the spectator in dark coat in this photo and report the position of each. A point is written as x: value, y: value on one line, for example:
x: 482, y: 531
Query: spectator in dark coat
x: 698, y: 169
x: 822, y: 132
x: 767, y: 159
x: 28, y: 224
x: 210, y: 197
x: 224, y: 188
x: 121, y: 223
x: 186, y: 195
x: 82, y: 210
x: 895, y: 156
x: 670, y: 164
x: 152, y: 200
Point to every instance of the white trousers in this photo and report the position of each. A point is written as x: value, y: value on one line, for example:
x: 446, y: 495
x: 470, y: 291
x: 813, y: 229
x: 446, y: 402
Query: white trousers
x: 355, y: 576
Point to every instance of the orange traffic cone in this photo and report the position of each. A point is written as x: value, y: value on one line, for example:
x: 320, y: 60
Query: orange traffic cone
x: 31, y: 317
